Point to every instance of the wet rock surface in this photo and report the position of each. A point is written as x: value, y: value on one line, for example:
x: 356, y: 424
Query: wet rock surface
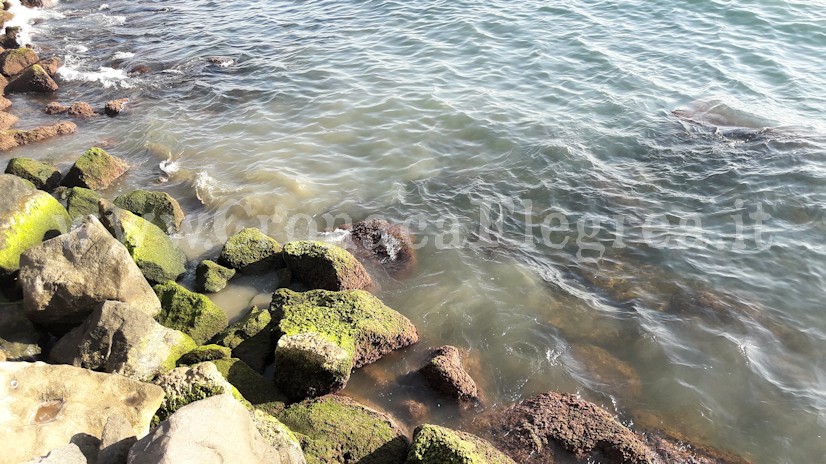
x: 444, y: 373
x: 324, y: 266
x: 382, y: 242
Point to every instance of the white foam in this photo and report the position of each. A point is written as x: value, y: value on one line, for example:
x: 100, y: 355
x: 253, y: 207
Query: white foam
x: 335, y: 236
x: 105, y: 6
x: 170, y: 167
x: 109, y: 77
x: 123, y: 55
x: 24, y: 17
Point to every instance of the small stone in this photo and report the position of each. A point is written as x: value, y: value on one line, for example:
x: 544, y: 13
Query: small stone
x: 82, y: 110
x: 95, y: 170
x: 211, y: 277
x: 44, y: 176
x: 251, y: 338
x: 115, y: 107
x: 118, y: 437
x: 444, y: 372
x: 140, y: 69
x: 56, y: 108
x: 51, y: 65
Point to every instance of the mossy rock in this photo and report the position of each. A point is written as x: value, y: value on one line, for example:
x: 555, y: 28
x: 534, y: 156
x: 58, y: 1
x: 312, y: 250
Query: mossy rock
x: 159, y: 208
x: 187, y: 384
x: 439, y: 445
x: 211, y: 277
x: 82, y: 202
x: 251, y: 339
x: 322, y: 335
x: 324, y: 266
x: 95, y: 170
x: 153, y: 251
x: 205, y: 353
x: 251, y: 251
x: 337, y: 429
x: 27, y: 217
x: 279, y: 436
x: 44, y: 176
x: 191, y: 313
x: 14, y: 61
x: 258, y: 390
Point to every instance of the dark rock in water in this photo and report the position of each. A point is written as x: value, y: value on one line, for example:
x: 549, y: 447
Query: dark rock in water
x: 140, y: 69
x: 251, y: 339
x: 14, y: 62
x: 115, y: 107
x: 7, y: 120
x: 438, y: 445
x: 159, y: 208
x: 324, y: 266
x: 14, y: 138
x: 56, y: 108
x: 33, y: 79
x: 82, y: 110
x: 338, y: 429
x: 444, y: 372
x: 44, y: 176
x: 95, y: 170
x: 382, y: 242
x: 51, y: 65
x: 222, y: 61
x: 191, y: 313
x: 211, y: 277
x: 415, y: 411
x: 38, y: 3
x: 250, y: 251
x: 613, y: 375
x: 9, y: 40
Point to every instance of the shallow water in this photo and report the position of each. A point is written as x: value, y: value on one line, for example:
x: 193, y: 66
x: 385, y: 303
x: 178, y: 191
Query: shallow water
x: 444, y: 114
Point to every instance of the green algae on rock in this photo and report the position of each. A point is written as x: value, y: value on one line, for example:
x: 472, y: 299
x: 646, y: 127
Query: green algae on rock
x: 439, y: 445
x: 250, y: 251
x: 251, y: 338
x: 159, y: 208
x: 95, y: 170
x: 279, y: 436
x: 81, y: 202
x: 191, y: 313
x: 187, y: 384
x: 44, y: 176
x: 324, y: 266
x: 256, y: 389
x: 338, y: 429
x: 27, y: 217
x: 14, y: 61
x: 153, y: 251
x: 211, y: 277
x: 205, y: 353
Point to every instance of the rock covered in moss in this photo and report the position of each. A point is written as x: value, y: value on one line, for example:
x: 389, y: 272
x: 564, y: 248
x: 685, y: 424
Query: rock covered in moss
x: 20, y: 340
x: 445, y: 373
x: 439, y: 445
x: 159, y: 208
x: 187, y: 384
x: 252, y: 385
x: 251, y: 251
x: 205, y: 353
x: 13, y: 62
x: 250, y: 338
x: 279, y: 436
x: 323, y: 335
x: 211, y: 277
x: 68, y: 277
x: 81, y: 202
x: 27, y: 216
x: 153, y: 251
x: 191, y: 313
x: 44, y: 176
x: 34, y: 79
x: 324, y: 266
x: 95, y: 170
x: 51, y: 65
x: 120, y: 339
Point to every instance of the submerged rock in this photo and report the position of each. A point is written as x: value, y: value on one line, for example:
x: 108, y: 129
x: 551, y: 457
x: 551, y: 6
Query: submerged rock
x: 14, y: 138
x: 211, y: 277
x: 159, y: 208
x: 613, y: 375
x: 444, y: 373
x: 251, y: 338
x: 13, y: 62
x: 250, y: 251
x: 46, y: 406
x: 439, y: 445
x: 324, y: 266
x: 382, y: 242
x: 44, y: 176
x: 191, y: 313
x: 323, y: 335
x: 33, y: 79
x: 95, y: 170
x: 82, y: 110
x: 115, y: 107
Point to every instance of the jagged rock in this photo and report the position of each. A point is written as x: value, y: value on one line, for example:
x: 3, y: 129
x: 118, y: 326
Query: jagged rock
x: 13, y: 62
x: 187, y: 384
x: 51, y: 65
x: 439, y: 445
x: 324, y: 266
x: 211, y: 277
x: 444, y: 373
x: 250, y: 251
x: 82, y: 110
x: 56, y: 108
x: 27, y: 216
x: 33, y: 79
x: 205, y: 353
x: 19, y: 339
x: 153, y: 251
x: 116, y: 440
x: 191, y: 313
x: 15, y: 138
x: 382, y: 242
x: 82, y: 202
x: 115, y: 107
x: 337, y: 429
x: 46, y: 406
x: 323, y: 335
x: 120, y: 339
x: 159, y: 208
x: 44, y: 176
x: 68, y: 277
x: 66, y: 454
x: 7, y: 120
x: 251, y: 338
x: 95, y: 170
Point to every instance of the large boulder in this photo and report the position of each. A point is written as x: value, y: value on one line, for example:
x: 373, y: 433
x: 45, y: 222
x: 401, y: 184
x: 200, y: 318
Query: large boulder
x: 44, y: 176
x: 191, y: 313
x: 324, y: 266
x: 337, y: 429
x: 211, y: 277
x: 187, y: 384
x: 439, y: 445
x: 34, y: 79
x: 445, y: 373
x: 382, y: 242
x: 66, y: 454
x: 251, y: 251
x: 13, y: 62
x: 68, y: 277
x: 27, y: 216
x: 153, y: 251
x: 159, y: 208
x: 251, y: 338
x: 217, y: 429
x: 19, y: 339
x: 95, y: 170
x: 45, y: 406
x: 120, y: 339
x: 323, y: 335
x: 14, y: 138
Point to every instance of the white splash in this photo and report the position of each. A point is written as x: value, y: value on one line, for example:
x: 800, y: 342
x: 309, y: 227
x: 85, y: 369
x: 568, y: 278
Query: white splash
x: 24, y: 17
x: 123, y: 55
x: 109, y: 77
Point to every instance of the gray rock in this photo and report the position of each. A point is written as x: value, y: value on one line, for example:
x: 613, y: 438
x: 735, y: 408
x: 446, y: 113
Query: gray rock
x: 67, y: 454
x: 118, y: 438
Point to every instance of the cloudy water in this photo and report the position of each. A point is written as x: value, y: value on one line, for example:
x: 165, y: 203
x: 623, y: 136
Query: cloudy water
x: 620, y: 199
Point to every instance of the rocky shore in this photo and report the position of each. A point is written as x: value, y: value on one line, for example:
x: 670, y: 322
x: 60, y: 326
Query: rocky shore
x: 106, y: 358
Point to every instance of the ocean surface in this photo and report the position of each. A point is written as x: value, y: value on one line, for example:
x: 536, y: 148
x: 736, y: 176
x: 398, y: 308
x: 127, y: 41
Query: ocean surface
x: 619, y: 199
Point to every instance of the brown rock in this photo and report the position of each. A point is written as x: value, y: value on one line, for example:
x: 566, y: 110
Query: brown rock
x: 5, y: 103
x: 14, y: 138
x: 56, y: 108
x: 613, y: 375
x: 51, y: 65
x: 414, y: 411
x: 444, y: 372
x: 7, y: 120
x: 95, y: 170
x: 13, y: 62
x: 81, y: 110
x: 384, y: 243
x: 114, y: 107
x: 33, y: 79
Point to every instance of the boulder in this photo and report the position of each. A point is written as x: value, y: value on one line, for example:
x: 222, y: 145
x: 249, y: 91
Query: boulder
x: 82, y: 110
x: 27, y: 216
x: 82, y: 202
x: 33, y: 79
x: 205, y: 353
x: 444, y: 372
x: 250, y: 251
x: 46, y: 406
x: 323, y: 335
x: 9, y: 40
x: 159, y: 208
x: 44, y: 176
x: 19, y: 339
x: 191, y: 313
x: 216, y: 429
x: 115, y: 107
x: 211, y: 277
x: 337, y: 429
x: 95, y: 170
x: 382, y: 242
x: 253, y: 386
x: 51, y: 65
x: 116, y: 440
x: 153, y: 251
x: 68, y: 277
x: 279, y: 437
x: 66, y: 454
x: 187, y: 384
x: 56, y: 108
x: 251, y: 339
x: 120, y: 339
x: 13, y: 62
x: 324, y: 266
x: 14, y: 138
x: 439, y: 445
x: 7, y: 120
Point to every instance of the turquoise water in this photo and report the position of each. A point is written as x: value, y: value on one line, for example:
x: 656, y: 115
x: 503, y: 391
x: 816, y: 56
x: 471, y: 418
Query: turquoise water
x: 690, y: 289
